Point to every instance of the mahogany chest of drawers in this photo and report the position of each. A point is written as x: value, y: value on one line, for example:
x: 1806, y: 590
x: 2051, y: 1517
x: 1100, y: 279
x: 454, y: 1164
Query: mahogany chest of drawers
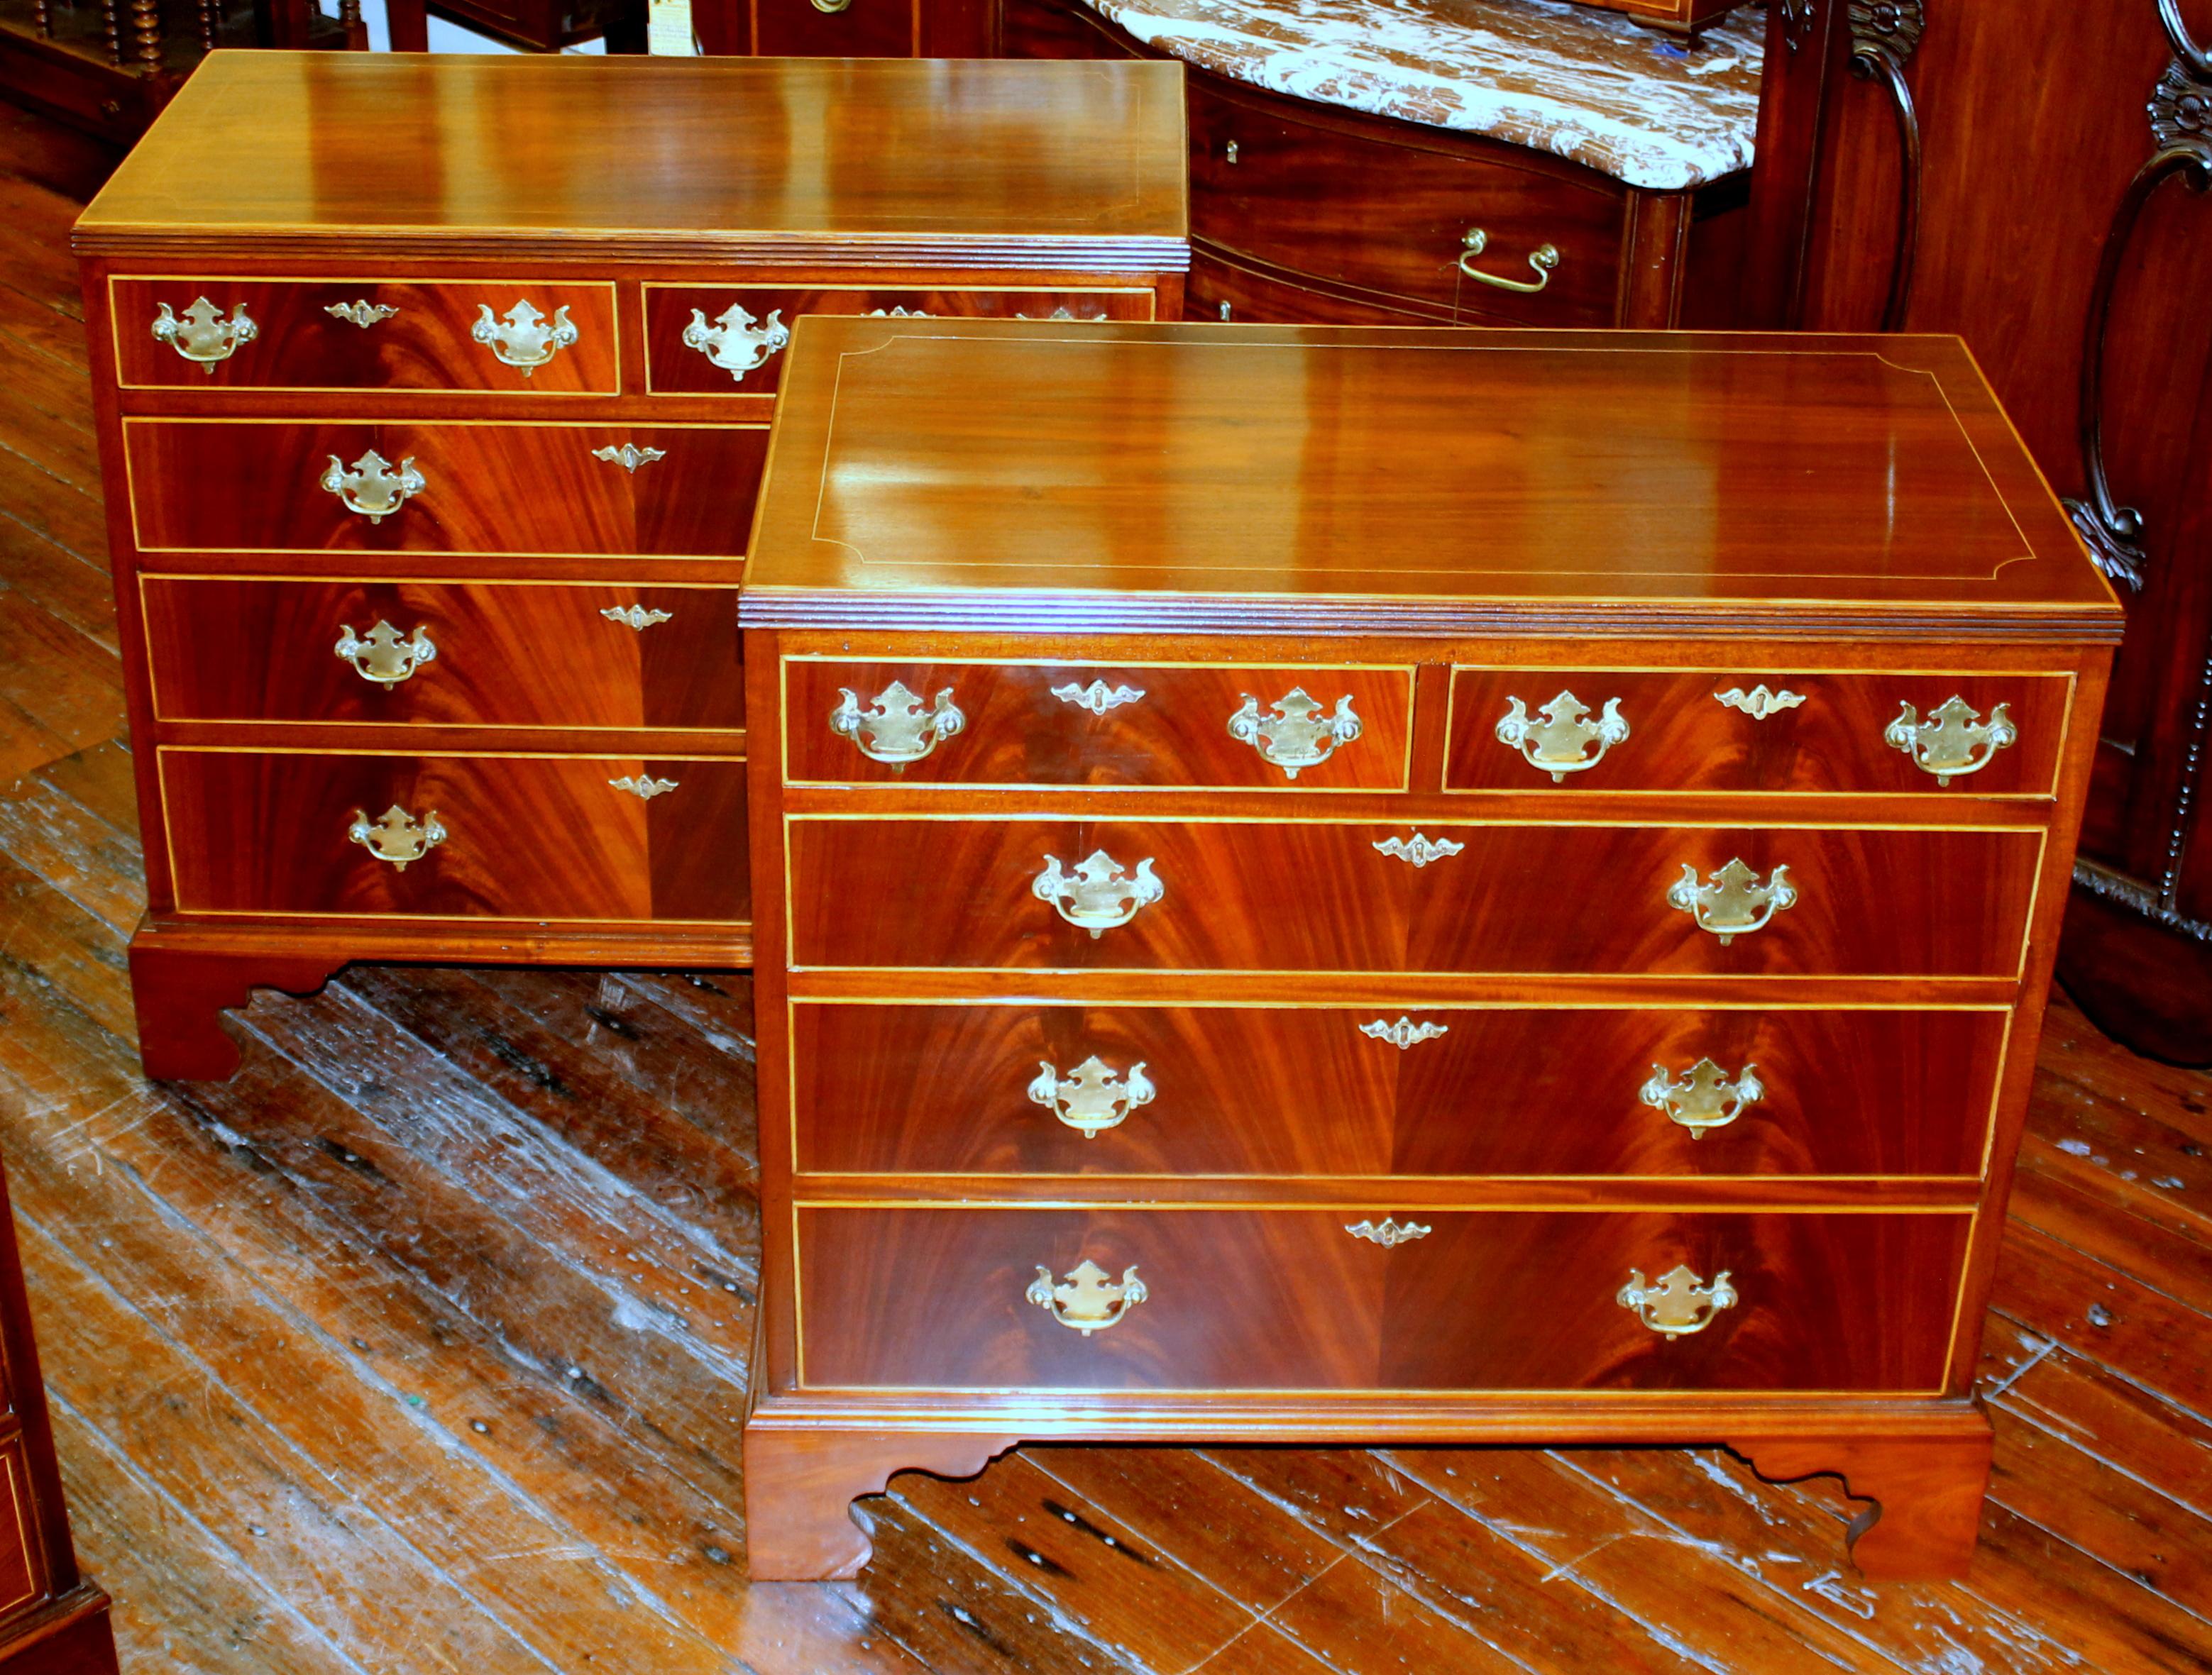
x: 434, y: 394
x: 1357, y: 885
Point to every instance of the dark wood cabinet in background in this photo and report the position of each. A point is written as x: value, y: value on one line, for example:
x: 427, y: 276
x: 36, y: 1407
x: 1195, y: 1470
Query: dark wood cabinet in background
x: 1990, y: 170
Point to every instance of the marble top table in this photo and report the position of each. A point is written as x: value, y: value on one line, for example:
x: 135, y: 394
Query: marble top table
x: 1586, y: 85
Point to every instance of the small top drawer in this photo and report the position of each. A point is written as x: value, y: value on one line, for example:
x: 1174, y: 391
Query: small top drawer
x: 504, y: 336
x: 1703, y: 730
x: 1343, y: 728
x: 1468, y: 233
x: 728, y: 340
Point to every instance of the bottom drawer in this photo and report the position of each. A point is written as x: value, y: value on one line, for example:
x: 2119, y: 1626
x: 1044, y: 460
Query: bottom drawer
x: 1224, y: 290
x: 1240, y: 1299
x: 522, y: 837
x: 23, y: 1579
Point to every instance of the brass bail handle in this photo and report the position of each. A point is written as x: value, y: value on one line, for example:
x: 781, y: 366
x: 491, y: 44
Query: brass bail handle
x: 1543, y: 260
x: 833, y: 7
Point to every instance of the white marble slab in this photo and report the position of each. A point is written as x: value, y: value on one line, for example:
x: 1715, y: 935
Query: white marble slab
x: 1578, y: 84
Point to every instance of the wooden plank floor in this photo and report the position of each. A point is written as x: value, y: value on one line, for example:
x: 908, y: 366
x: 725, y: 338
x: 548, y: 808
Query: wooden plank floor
x: 421, y: 1345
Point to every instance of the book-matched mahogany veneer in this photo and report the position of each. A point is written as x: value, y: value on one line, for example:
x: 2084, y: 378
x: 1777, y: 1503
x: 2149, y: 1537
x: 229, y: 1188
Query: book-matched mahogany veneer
x: 1357, y: 885
x: 434, y: 396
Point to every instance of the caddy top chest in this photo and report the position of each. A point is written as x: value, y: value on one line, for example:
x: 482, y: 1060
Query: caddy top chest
x: 433, y: 396
x: 1398, y: 885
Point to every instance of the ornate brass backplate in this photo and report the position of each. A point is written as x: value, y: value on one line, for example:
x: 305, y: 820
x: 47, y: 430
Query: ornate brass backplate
x: 644, y: 786
x: 1679, y: 1303
x: 1088, y: 1098
x: 1733, y: 902
x: 1559, y: 744
x: 395, y: 836
x: 1953, y: 740
x: 361, y: 313
x: 384, y: 654
x: 895, y: 728
x: 630, y: 456
x: 1418, y: 851
x: 1100, y: 893
x: 1759, y: 703
x: 901, y: 312
x: 525, y: 339
x: 736, y: 342
x: 1405, y: 1033
x: 1063, y: 312
x: 1087, y: 1300
x: 204, y: 336
x: 634, y: 616
x: 370, y: 487
x: 1297, y: 735
x: 1388, y: 1233
x: 1097, y: 697
x: 1702, y: 1097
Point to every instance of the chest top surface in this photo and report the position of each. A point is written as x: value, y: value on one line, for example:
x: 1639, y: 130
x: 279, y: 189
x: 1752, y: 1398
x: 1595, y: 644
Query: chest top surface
x: 640, y: 156
x: 1027, y: 475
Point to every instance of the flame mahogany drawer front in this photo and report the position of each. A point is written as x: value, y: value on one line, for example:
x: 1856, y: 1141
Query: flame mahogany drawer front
x: 1343, y: 205
x: 22, y: 1574
x: 1288, y: 1300
x: 246, y: 486
x: 1407, y: 1090
x: 1329, y: 896
x: 1732, y: 731
x: 497, y: 654
x: 509, y: 837
x: 982, y: 724
x: 538, y: 338
x: 695, y: 345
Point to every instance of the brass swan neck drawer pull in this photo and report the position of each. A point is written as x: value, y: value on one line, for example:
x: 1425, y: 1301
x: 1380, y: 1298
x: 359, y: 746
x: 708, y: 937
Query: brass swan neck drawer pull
x: 1543, y: 260
x: 1388, y: 1233
x: 1732, y: 902
x: 628, y: 456
x: 1703, y: 1097
x: 1946, y: 743
x: 382, y: 655
x: 370, y: 487
x: 644, y: 787
x: 204, y: 336
x: 736, y: 342
x: 1100, y: 894
x: 1298, y: 735
x: 362, y: 312
x: 832, y: 7
x: 1678, y: 1303
x: 1759, y: 703
x: 895, y: 728
x: 1559, y: 744
x: 1097, y: 697
x: 634, y: 616
x: 395, y: 837
x: 1087, y: 1300
x: 1418, y: 851
x: 1405, y: 1033
x: 525, y: 338
x: 1088, y: 1098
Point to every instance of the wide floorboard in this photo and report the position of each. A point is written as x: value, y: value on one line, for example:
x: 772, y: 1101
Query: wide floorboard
x: 421, y: 1345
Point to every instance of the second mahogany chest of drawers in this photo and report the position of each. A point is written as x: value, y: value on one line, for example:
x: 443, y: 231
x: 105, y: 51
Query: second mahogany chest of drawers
x: 434, y: 394
x: 1354, y: 884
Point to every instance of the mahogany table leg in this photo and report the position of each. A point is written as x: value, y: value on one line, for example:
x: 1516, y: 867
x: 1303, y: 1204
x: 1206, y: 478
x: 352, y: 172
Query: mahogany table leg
x: 1927, y: 1494
x: 800, y: 1485
x: 181, y: 995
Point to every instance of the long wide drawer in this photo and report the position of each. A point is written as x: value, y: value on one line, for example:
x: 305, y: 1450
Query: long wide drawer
x: 537, y: 337
x: 1348, y: 897
x: 1287, y: 1091
x: 1397, y: 215
x: 1755, y: 731
x: 1176, y: 724
x: 931, y: 1298
x: 477, y: 654
x: 503, y: 837
x: 247, y: 485
x: 728, y: 340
